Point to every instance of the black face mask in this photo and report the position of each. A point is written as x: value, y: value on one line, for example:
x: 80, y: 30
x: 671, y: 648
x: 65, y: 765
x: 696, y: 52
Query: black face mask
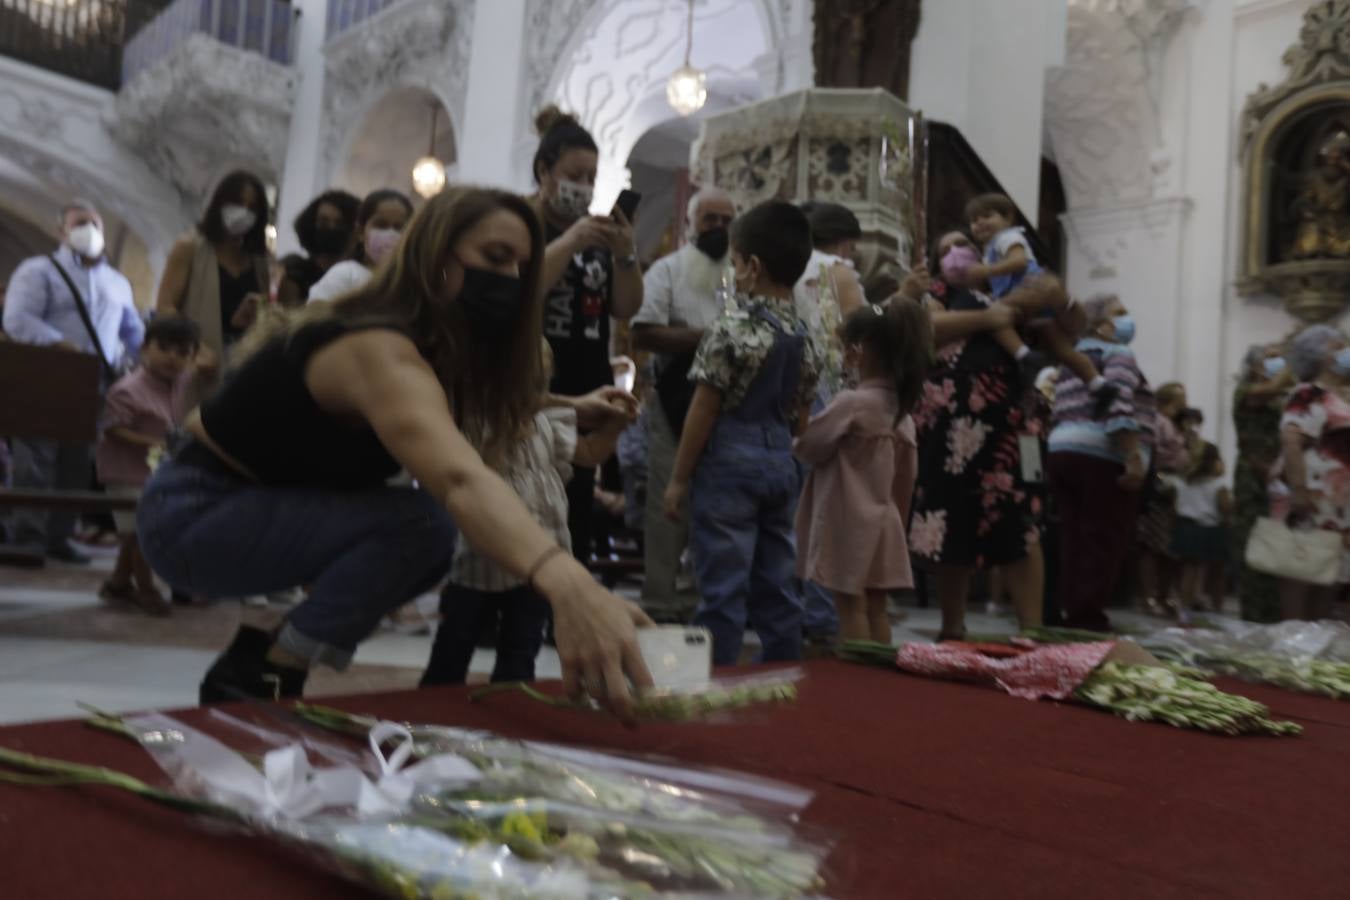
x: 492, y: 302
x: 330, y: 241
x: 713, y: 244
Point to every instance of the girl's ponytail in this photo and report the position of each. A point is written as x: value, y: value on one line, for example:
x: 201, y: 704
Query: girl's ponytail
x: 900, y: 334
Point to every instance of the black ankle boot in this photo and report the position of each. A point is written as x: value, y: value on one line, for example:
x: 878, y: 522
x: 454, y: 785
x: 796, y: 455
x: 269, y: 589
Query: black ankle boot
x: 244, y: 672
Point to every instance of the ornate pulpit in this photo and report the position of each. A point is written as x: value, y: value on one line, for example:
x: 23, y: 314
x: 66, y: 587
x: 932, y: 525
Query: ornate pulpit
x: 847, y: 146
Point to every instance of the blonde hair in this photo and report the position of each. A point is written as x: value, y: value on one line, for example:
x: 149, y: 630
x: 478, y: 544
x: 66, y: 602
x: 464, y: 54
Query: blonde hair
x: 492, y: 387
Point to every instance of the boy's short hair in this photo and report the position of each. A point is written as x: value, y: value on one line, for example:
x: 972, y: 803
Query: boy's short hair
x: 987, y: 203
x: 173, y: 332
x: 780, y: 235
x: 831, y: 223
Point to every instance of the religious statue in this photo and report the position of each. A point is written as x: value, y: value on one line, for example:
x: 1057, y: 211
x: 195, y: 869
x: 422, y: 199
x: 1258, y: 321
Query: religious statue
x: 1322, y: 206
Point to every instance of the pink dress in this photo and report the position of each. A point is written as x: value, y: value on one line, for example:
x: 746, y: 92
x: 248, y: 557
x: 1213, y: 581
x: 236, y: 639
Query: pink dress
x: 851, y: 519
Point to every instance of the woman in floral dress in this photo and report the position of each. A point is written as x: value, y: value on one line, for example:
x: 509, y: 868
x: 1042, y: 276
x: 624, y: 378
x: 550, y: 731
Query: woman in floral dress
x: 1258, y: 403
x: 972, y: 508
x: 1311, y: 480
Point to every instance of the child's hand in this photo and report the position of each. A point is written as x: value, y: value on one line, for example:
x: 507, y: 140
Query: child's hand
x: 207, y: 363
x: 676, y: 492
x: 247, y: 313
x: 599, y: 407
x: 977, y: 273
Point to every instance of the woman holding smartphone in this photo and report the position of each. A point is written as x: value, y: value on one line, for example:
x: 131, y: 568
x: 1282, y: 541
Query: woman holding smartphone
x: 590, y: 274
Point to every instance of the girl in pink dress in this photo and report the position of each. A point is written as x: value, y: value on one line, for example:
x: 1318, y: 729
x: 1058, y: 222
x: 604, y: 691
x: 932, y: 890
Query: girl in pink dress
x: 851, y: 519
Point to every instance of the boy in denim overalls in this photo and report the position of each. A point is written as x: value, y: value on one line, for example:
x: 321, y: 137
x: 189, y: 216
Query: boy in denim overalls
x: 756, y: 371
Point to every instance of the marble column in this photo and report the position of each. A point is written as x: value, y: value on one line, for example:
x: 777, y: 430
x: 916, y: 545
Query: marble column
x: 298, y: 185
x: 488, y: 152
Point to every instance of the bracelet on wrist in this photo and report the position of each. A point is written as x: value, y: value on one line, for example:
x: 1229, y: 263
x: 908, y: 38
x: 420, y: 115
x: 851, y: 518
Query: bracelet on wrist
x: 544, y: 559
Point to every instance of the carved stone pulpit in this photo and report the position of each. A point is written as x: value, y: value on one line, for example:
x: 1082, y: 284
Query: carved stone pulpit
x: 846, y: 146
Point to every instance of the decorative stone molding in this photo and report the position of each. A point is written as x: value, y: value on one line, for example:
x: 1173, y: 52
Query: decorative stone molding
x: 551, y: 27
x: 1102, y: 106
x: 1319, y: 79
x: 203, y: 102
x: 1105, y: 236
x: 416, y: 43
x: 1321, y: 56
x: 53, y: 128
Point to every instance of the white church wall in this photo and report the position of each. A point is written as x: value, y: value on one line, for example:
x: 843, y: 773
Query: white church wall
x: 1232, y: 47
x: 981, y: 67
x: 1164, y: 236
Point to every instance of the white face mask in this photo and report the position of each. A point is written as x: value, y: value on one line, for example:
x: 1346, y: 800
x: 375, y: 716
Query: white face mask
x: 380, y: 242
x: 238, y: 220
x: 573, y: 200
x: 86, y: 240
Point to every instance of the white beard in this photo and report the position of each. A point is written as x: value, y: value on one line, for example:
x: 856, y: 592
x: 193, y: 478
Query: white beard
x: 703, y: 275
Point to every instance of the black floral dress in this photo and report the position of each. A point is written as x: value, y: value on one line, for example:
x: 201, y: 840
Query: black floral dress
x: 971, y: 505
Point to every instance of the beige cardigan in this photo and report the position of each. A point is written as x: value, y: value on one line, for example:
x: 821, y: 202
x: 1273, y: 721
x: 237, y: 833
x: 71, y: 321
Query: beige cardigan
x: 201, y: 304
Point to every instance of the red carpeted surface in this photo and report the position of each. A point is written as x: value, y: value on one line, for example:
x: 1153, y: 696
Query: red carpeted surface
x: 928, y: 789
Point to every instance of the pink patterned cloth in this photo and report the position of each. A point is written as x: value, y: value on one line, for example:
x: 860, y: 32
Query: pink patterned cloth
x: 1054, y: 671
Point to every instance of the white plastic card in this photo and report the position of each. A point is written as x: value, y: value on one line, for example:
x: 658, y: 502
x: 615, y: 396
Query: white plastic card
x: 1030, y: 451
x: 676, y: 655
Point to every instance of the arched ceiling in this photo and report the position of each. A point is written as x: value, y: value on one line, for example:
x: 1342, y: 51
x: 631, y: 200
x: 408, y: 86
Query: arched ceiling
x: 612, y: 74
x: 394, y: 135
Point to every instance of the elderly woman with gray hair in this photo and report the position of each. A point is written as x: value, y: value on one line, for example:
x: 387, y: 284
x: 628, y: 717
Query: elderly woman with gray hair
x: 1098, y: 464
x: 1310, y: 483
x: 1258, y: 403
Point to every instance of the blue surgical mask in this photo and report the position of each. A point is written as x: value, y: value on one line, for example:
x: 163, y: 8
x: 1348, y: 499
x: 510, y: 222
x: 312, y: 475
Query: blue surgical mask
x: 1274, y: 365
x: 1124, y: 328
x: 1341, y: 363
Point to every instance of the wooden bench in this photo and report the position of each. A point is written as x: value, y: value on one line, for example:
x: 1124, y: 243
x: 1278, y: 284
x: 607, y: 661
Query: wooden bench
x: 49, y: 395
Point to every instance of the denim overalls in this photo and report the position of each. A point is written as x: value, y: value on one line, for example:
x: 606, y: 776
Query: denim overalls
x: 743, y: 499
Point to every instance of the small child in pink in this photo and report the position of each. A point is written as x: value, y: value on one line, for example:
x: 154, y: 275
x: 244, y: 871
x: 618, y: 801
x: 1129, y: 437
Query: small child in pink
x: 139, y: 412
x: 852, y: 515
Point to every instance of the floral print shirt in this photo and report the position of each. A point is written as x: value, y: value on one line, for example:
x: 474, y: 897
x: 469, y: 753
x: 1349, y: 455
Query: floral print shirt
x: 733, y: 350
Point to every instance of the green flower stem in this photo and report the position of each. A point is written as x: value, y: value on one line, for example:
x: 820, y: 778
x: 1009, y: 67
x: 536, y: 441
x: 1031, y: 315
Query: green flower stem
x: 668, y: 707
x: 56, y: 772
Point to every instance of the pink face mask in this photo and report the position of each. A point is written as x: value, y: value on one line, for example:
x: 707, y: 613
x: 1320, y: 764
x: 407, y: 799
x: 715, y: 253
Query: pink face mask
x: 957, y: 260
x: 380, y: 242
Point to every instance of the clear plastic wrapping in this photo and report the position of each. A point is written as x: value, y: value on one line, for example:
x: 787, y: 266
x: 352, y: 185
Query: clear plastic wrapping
x: 1312, y: 657
x: 429, y: 811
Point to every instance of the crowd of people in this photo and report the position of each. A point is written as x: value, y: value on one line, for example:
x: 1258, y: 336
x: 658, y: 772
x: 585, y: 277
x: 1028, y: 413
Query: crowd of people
x: 423, y: 398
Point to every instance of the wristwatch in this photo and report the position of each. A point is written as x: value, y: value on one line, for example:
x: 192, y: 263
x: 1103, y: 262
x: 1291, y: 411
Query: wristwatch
x: 627, y: 262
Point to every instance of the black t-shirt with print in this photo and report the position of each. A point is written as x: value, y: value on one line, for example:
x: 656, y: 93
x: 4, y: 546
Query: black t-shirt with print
x: 576, y: 321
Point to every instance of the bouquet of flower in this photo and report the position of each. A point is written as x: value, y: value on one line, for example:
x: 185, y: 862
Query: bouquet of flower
x: 445, y: 813
x: 1116, y: 676
x: 721, y: 830
x: 1160, y: 694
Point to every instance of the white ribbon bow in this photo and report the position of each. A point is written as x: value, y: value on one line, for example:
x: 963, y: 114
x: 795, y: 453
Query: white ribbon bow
x: 288, y: 786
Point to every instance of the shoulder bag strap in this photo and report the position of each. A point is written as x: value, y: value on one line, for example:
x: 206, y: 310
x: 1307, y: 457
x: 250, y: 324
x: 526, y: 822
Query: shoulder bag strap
x: 108, y: 370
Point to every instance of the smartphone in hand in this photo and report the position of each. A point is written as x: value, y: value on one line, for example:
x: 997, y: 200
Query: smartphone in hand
x: 627, y: 203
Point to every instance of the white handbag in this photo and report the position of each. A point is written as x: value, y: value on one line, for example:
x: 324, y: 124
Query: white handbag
x: 1308, y: 555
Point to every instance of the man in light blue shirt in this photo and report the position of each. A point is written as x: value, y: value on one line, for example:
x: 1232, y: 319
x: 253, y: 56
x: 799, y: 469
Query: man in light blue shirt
x: 40, y: 309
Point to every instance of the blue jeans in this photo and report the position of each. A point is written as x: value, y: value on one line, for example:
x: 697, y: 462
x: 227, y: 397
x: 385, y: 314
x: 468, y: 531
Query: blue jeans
x: 819, y: 617
x: 519, y: 616
x: 741, y: 507
x: 364, y: 553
